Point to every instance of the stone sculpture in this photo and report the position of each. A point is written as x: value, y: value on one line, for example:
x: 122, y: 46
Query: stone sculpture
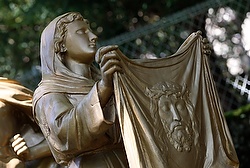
x: 20, y: 136
x: 132, y: 113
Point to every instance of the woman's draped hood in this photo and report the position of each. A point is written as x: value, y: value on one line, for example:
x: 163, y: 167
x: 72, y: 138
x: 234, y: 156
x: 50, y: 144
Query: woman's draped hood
x: 56, y: 77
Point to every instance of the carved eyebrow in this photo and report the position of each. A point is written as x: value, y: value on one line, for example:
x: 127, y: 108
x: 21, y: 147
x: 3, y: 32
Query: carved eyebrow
x: 83, y: 27
x: 86, y: 21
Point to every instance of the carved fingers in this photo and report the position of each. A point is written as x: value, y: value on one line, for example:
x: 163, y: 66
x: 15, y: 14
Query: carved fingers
x: 206, y: 47
x: 104, y: 50
x: 109, y: 63
x: 19, y: 145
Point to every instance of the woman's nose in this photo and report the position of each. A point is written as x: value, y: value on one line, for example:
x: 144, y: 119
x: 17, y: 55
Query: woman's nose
x: 92, y: 37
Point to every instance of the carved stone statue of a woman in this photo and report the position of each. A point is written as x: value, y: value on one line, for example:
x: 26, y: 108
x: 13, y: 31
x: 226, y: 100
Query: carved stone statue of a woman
x: 73, y: 104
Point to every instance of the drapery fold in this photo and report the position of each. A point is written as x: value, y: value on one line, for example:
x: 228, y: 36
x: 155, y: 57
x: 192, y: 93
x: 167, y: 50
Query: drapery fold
x: 16, y: 94
x: 140, y: 92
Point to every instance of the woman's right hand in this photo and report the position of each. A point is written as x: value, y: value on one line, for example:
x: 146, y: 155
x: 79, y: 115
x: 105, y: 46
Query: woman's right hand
x: 109, y: 63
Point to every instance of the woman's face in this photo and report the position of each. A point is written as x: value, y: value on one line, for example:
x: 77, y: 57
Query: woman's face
x: 80, y: 42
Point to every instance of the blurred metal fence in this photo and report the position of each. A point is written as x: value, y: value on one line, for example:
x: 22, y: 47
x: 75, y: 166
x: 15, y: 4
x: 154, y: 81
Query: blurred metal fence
x: 221, y: 22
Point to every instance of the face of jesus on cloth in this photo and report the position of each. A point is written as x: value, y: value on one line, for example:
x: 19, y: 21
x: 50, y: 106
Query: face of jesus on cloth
x: 175, y: 117
x: 171, y: 103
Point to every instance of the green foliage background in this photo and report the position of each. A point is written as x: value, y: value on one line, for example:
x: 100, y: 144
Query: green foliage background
x: 22, y: 21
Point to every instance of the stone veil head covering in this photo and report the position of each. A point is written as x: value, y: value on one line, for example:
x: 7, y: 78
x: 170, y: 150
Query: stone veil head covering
x: 56, y: 77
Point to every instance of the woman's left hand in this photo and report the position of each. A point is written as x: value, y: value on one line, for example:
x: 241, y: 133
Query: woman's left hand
x: 206, y: 47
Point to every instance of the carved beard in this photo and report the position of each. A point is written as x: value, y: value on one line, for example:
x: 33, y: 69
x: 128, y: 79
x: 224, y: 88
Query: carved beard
x: 180, y: 136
